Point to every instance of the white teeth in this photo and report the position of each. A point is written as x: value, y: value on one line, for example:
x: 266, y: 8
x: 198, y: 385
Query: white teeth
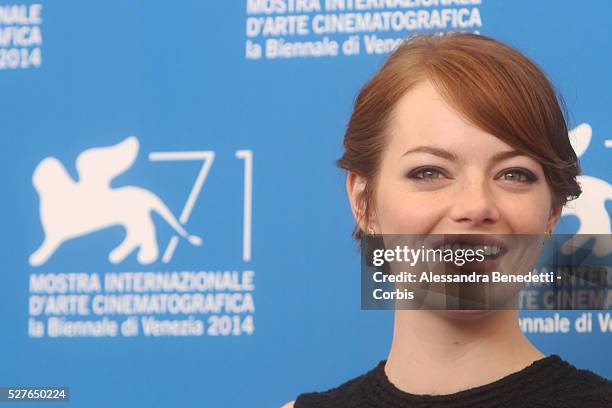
x: 485, y: 249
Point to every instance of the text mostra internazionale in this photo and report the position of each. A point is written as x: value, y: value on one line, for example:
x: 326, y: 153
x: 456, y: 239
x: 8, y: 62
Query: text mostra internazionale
x: 126, y: 293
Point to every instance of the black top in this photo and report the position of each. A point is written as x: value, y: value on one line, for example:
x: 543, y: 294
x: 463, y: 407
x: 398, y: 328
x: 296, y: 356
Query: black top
x: 549, y: 382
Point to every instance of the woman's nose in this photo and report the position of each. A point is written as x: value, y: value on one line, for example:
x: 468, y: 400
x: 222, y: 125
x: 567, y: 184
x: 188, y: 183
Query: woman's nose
x: 475, y: 205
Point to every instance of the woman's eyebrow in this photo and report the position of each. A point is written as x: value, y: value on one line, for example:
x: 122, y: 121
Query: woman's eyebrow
x: 445, y: 154
x: 507, y: 155
x: 436, y: 151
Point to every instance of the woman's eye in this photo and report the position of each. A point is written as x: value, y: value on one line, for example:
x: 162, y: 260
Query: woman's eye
x: 518, y: 175
x: 426, y: 174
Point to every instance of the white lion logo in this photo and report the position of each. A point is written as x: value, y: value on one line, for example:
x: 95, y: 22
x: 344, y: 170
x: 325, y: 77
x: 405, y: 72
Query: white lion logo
x: 70, y: 209
x: 590, y: 207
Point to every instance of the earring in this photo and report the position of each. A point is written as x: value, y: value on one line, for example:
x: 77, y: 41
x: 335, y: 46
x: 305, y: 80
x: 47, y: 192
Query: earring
x: 371, y: 230
x: 547, y: 234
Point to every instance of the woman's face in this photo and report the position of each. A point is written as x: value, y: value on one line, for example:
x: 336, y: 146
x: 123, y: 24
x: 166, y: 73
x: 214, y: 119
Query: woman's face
x: 441, y: 175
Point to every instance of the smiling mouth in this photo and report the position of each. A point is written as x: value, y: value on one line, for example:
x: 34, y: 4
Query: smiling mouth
x: 489, y: 249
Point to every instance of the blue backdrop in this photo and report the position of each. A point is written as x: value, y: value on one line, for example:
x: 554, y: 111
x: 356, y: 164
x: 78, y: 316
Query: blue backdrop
x: 238, y: 144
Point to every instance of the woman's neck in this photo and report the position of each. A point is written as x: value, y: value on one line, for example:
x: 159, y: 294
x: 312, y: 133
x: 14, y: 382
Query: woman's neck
x: 443, y: 352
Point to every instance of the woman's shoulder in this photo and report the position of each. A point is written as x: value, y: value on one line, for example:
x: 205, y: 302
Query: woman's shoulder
x: 549, y: 382
x: 348, y: 394
x: 582, y: 388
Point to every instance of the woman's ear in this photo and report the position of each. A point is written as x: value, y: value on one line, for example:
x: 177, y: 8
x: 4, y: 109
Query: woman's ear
x: 555, y: 216
x: 355, y: 187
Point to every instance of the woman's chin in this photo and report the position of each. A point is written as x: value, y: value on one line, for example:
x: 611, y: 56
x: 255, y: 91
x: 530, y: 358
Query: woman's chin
x: 465, y: 314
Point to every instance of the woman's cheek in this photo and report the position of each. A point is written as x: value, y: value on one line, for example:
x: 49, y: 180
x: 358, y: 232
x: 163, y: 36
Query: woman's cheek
x: 525, y: 216
x: 409, y: 215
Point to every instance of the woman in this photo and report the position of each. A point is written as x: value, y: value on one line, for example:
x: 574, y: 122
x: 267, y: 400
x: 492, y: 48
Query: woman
x: 460, y: 134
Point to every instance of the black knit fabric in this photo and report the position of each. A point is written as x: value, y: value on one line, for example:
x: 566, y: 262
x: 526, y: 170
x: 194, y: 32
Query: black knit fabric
x: 549, y: 382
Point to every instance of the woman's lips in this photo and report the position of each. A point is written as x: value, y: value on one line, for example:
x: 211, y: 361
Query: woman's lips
x: 482, y: 267
x: 479, y: 245
x: 472, y: 240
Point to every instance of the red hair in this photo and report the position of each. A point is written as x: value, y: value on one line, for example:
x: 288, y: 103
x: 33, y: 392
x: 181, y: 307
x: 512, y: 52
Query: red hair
x: 492, y: 85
